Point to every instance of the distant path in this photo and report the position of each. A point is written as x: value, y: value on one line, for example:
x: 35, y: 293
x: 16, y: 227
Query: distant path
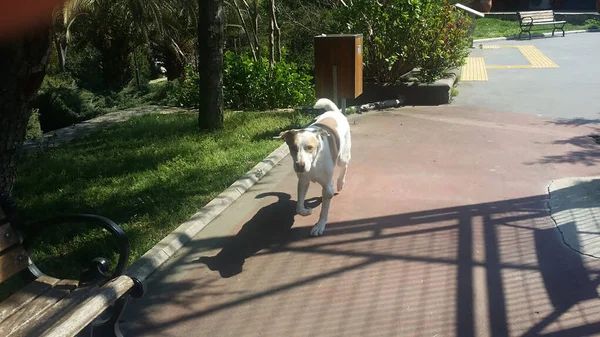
x: 80, y: 130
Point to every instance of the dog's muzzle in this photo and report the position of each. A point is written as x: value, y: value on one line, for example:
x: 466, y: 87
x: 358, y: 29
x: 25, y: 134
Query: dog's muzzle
x: 299, y: 167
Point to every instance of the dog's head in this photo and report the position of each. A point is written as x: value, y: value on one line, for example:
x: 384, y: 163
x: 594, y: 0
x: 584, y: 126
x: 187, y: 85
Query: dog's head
x: 304, y: 146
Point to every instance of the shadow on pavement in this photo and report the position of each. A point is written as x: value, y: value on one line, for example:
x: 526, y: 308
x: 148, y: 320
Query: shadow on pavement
x: 268, y: 227
x: 588, y: 152
x: 490, y: 269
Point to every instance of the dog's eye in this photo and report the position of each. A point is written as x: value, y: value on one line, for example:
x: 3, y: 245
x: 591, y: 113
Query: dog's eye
x: 309, y: 148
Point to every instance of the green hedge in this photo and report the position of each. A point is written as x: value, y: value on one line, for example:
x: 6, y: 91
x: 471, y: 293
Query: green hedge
x: 252, y: 85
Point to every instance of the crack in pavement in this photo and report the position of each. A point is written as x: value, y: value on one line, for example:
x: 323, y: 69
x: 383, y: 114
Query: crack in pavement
x: 562, y: 235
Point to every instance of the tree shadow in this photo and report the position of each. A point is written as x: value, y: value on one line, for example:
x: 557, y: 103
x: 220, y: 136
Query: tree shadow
x: 575, y: 121
x: 588, y: 152
x: 269, y: 227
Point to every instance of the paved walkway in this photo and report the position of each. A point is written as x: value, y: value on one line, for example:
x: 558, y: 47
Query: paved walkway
x: 553, y: 77
x: 83, y: 129
x: 443, y: 229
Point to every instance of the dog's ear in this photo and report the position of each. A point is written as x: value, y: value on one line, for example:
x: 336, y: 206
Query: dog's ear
x: 324, y: 133
x: 282, y: 134
x: 285, y: 134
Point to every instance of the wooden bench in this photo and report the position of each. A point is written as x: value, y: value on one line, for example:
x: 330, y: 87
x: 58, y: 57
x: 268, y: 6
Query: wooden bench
x: 529, y: 19
x: 51, y: 307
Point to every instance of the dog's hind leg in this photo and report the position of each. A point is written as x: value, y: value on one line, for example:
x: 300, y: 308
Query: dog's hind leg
x: 319, y: 228
x: 341, y: 180
x: 302, y: 189
x: 343, y: 162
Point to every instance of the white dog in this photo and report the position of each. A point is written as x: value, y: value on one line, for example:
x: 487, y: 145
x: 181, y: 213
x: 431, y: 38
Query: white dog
x: 316, y: 150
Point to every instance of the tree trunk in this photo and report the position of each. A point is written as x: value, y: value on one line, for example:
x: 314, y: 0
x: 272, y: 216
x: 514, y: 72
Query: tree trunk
x: 277, y: 32
x: 271, y: 33
x: 24, y: 63
x: 61, y: 51
x: 116, y: 67
x: 173, y: 64
x: 210, y: 64
x: 255, y: 19
x: 245, y: 28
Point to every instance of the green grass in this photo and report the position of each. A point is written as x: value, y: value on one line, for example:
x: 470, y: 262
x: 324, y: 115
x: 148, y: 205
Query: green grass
x: 149, y: 174
x: 492, y: 27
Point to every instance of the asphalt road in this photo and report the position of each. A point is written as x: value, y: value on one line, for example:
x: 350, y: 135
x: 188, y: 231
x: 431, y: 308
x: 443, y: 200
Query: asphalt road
x: 569, y: 91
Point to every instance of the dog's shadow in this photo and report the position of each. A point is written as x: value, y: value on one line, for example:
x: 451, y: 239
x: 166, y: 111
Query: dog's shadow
x: 269, y: 227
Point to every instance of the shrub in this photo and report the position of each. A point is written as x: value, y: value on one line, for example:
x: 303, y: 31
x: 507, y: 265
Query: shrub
x: 139, y: 59
x: 252, y: 85
x: 187, y: 92
x: 33, y: 125
x: 400, y: 35
x: 444, y: 41
x: 61, y: 103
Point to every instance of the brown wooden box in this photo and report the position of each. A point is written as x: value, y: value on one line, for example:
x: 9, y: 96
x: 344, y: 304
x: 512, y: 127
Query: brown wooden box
x: 343, y: 51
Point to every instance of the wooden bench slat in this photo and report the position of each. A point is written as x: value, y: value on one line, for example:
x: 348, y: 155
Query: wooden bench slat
x: 24, y: 296
x: 546, y: 23
x: 538, y: 16
x: 13, y: 261
x: 86, y: 312
x: 8, y: 237
x: 36, y: 307
x: 41, y: 323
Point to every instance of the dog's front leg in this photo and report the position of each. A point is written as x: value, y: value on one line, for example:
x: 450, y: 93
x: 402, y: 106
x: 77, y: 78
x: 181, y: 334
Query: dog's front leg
x: 319, y: 228
x: 302, y: 190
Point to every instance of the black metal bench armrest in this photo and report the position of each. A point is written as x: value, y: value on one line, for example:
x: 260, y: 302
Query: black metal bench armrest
x: 99, y: 266
x: 522, y: 23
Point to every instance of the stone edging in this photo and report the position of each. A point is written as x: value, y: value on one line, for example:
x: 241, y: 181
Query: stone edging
x: 167, y: 247
x: 545, y: 35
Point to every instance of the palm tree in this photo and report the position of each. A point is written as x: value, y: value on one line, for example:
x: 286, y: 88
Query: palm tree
x: 178, y: 40
x: 210, y: 64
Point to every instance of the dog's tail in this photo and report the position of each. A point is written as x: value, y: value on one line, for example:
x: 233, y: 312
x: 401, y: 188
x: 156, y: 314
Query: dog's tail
x: 326, y: 104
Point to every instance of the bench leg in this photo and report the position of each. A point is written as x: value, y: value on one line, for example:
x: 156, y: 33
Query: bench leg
x: 525, y: 31
x: 110, y: 326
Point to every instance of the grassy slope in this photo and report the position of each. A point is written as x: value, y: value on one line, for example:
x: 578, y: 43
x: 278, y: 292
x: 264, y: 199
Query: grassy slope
x: 492, y: 27
x: 148, y: 174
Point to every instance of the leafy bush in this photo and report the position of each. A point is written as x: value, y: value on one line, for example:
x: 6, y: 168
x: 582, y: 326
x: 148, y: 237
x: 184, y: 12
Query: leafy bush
x: 400, y: 35
x: 33, y: 126
x: 252, y: 85
x: 300, y: 21
x: 444, y: 41
x: 592, y: 24
x: 61, y: 103
x: 187, y: 92
x: 139, y: 59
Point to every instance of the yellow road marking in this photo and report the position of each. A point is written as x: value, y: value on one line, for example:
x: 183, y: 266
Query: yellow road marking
x: 474, y: 70
x: 524, y: 66
x: 536, y: 58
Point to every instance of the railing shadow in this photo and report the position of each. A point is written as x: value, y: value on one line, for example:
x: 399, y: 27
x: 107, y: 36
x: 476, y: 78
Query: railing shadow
x: 491, y: 269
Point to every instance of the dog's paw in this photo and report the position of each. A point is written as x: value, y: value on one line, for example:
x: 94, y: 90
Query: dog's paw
x: 304, y: 211
x: 317, y: 229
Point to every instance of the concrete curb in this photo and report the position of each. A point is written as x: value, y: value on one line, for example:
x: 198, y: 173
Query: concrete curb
x: 568, y: 32
x: 381, y: 96
x: 169, y: 245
